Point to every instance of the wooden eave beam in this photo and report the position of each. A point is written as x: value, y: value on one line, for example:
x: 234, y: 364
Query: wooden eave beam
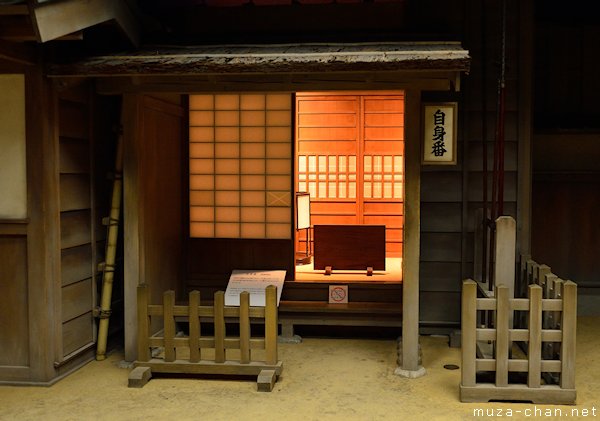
x: 441, y: 81
x: 57, y: 19
x: 17, y: 52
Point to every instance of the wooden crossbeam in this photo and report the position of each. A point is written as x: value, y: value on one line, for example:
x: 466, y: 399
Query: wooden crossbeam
x: 57, y: 19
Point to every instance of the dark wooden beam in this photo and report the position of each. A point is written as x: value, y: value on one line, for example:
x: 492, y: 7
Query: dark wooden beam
x: 56, y: 19
x: 16, y: 9
x: 17, y: 52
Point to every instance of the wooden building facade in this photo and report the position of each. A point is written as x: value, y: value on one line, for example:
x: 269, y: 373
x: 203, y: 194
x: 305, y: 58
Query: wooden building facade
x: 182, y: 232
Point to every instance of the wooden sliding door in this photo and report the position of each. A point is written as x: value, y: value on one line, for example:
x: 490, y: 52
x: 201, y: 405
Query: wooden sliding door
x: 350, y: 158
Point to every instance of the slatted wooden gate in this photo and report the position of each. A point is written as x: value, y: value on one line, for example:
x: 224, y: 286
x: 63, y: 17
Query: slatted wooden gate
x: 550, y: 321
x: 199, y: 354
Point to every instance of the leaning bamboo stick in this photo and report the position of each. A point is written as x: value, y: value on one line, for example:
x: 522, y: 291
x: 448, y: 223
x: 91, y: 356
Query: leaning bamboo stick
x: 111, y: 250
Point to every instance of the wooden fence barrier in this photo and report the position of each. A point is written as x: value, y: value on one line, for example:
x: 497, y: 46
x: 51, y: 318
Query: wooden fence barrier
x: 562, y: 308
x: 199, y: 354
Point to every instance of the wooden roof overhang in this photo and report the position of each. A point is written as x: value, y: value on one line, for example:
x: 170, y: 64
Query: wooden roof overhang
x: 284, y: 66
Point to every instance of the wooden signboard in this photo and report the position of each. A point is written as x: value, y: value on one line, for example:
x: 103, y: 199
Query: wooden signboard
x: 350, y: 247
x: 439, y: 133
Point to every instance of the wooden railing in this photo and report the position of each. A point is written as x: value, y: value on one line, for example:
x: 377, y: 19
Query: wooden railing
x: 199, y: 354
x: 551, y: 310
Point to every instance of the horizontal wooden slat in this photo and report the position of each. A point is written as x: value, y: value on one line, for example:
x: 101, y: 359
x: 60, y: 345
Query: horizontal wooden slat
x: 520, y: 304
x: 383, y: 208
x: 338, y: 147
x: 76, y: 299
x: 441, y: 186
x: 441, y: 217
x: 327, y: 207
x: 327, y: 120
x: 80, y: 95
x: 75, y: 228
x: 210, y: 367
x: 327, y: 106
x: 384, y: 105
x: 519, y: 335
x: 205, y: 311
x: 521, y: 366
x: 441, y: 247
x: 329, y: 133
x: 384, y: 120
x: 76, y: 264
x: 206, y: 342
x: 74, y: 192
x: 73, y: 120
x: 74, y: 157
x: 440, y: 276
x: 77, y: 333
x: 384, y: 133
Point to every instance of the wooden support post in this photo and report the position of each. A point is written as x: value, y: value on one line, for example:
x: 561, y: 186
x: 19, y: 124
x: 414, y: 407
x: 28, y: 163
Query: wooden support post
x: 535, y: 335
x: 469, y: 332
x: 569, y: 326
x: 169, y: 325
x: 543, y: 270
x: 244, y: 327
x: 523, y: 279
x: 219, y: 323
x: 194, y: 326
x: 143, y: 324
x: 530, y: 271
x: 271, y: 324
x: 502, y: 334
x: 505, y: 253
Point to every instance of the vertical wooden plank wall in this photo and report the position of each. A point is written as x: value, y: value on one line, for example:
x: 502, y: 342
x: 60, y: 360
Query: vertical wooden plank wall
x: 152, y: 202
x: 85, y: 133
x: 450, y: 196
x: 77, y: 233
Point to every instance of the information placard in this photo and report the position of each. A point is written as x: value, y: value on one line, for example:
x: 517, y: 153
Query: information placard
x: 254, y: 282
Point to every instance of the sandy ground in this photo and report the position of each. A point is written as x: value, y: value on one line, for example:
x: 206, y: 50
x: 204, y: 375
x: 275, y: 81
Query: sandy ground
x: 323, y: 379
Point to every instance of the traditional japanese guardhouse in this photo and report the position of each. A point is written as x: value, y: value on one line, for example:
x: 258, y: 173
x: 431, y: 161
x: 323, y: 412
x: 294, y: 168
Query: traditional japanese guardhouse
x: 349, y: 143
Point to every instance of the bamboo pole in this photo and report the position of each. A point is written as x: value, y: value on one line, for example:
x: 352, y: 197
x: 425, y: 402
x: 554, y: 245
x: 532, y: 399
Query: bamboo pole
x: 111, y: 251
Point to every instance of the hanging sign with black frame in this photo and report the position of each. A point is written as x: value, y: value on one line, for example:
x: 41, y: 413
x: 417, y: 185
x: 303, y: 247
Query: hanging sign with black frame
x: 439, y: 133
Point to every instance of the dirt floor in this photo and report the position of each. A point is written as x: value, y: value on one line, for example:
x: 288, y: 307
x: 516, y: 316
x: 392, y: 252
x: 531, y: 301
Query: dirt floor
x: 323, y: 379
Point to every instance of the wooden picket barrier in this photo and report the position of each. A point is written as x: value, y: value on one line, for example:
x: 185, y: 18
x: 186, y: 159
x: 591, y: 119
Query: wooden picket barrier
x: 561, y: 308
x: 189, y: 355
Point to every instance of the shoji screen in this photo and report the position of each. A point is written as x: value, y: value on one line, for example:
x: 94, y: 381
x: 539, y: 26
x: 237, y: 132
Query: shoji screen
x: 240, y: 166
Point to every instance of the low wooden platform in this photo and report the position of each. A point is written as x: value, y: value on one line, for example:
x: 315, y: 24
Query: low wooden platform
x: 311, y: 313
x: 392, y: 273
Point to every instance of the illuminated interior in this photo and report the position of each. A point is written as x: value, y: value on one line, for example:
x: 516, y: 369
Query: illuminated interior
x: 350, y: 158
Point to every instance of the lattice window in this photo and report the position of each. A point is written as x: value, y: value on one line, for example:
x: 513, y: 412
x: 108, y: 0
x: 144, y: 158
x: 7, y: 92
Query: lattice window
x: 382, y: 177
x: 327, y: 176
x: 240, y: 165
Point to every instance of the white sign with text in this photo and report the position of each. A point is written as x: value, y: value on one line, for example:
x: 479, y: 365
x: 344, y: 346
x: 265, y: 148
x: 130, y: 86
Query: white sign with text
x: 254, y: 282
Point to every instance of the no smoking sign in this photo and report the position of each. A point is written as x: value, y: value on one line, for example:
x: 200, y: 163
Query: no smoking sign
x: 338, y: 294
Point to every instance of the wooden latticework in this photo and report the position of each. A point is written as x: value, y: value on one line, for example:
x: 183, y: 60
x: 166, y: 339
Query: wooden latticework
x: 189, y: 354
x: 539, y: 335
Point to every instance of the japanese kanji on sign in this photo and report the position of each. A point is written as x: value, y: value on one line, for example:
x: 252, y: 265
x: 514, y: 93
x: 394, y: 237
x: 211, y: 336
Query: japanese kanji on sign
x: 439, y: 133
